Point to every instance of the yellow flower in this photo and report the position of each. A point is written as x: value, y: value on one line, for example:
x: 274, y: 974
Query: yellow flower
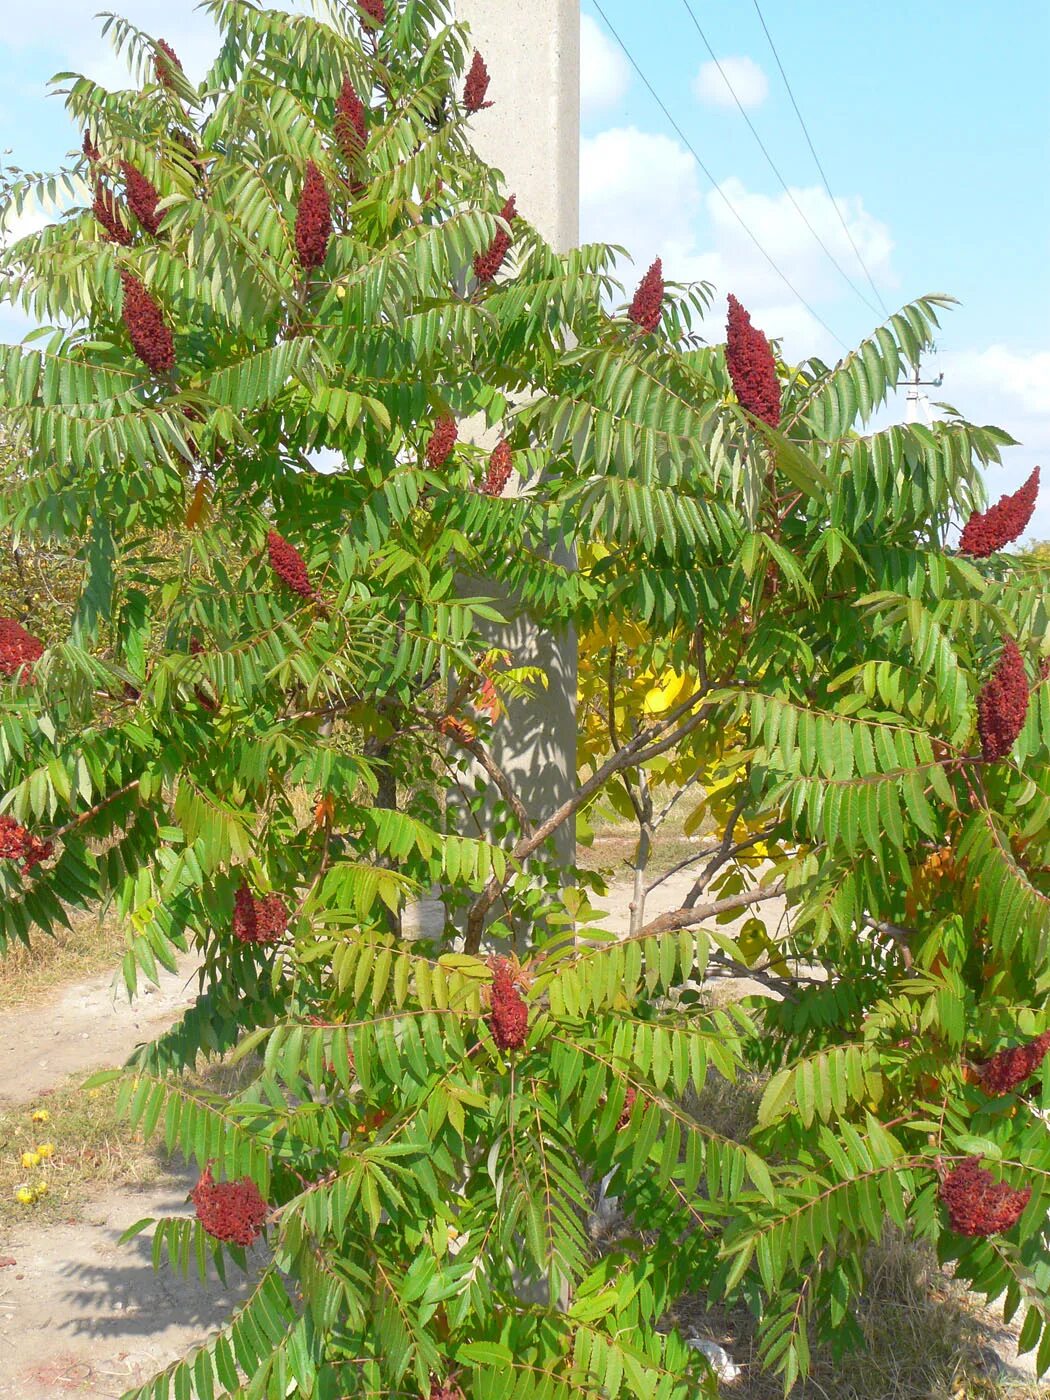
x: 41, y: 1115
x: 24, y: 1195
x: 30, y: 1159
x: 45, y: 1150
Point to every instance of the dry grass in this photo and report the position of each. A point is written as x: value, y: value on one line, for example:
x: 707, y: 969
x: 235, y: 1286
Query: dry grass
x: 925, y: 1339
x: 30, y: 975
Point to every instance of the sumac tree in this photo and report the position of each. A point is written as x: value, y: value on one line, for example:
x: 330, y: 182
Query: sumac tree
x: 270, y: 303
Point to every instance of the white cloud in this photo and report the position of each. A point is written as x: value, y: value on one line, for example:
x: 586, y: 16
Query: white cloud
x: 643, y: 190
x: 604, y: 74
x: 741, y: 75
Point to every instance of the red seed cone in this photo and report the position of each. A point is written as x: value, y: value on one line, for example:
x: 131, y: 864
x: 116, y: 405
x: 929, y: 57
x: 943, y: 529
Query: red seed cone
x: 232, y: 1211
x: 350, y: 125
x: 751, y: 366
x: 628, y: 1104
x: 442, y: 440
x: 165, y: 62
x: 1009, y: 1068
x: 90, y: 149
x: 1003, y: 704
x: 509, y: 1015
x: 977, y: 1203
x: 16, y: 843
x: 986, y: 532
x: 647, y: 306
x: 445, y: 1390
x: 288, y: 564
x: 498, y: 474
x: 142, y: 197
x: 313, y: 220
x: 19, y: 650
x: 146, y: 327
x: 259, y: 919
x: 374, y: 9
x: 488, y: 263
x: 476, y: 86
x: 107, y: 215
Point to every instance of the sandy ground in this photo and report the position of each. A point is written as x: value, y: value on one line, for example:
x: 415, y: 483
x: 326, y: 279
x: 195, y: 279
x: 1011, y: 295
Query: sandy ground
x: 89, y: 1025
x: 80, y: 1315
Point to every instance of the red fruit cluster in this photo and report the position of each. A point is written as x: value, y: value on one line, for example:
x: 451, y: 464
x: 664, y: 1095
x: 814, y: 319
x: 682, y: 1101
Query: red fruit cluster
x: 648, y: 303
x: 145, y: 322
x: 16, y: 843
x: 165, y: 62
x: 445, y: 1390
x: 90, y: 149
x: 19, y: 649
x: 977, y: 1203
x: 509, y: 1016
x: 107, y: 214
x: 1009, y: 1068
x: 288, y: 564
x: 375, y: 9
x: 628, y: 1103
x: 258, y: 919
x: 488, y: 263
x: 351, y: 129
x: 442, y: 441
x: 499, y: 469
x: 313, y: 220
x: 988, y: 531
x: 751, y: 366
x: 143, y: 196
x: 475, y: 89
x: 232, y: 1211
x: 1003, y: 704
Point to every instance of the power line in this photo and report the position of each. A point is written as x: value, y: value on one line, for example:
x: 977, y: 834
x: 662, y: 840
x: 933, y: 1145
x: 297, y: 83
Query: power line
x: 816, y: 159
x: 773, y: 165
x: 714, y: 183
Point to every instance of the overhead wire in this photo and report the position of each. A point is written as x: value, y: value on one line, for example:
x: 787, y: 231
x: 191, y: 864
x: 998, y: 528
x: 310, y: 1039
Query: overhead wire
x: 714, y: 183
x: 774, y: 167
x: 816, y: 160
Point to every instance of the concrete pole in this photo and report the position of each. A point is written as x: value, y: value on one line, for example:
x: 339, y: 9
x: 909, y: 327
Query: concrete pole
x: 532, y: 134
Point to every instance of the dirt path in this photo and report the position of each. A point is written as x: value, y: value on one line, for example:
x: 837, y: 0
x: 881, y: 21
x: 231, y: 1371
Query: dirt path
x: 89, y: 1025
x: 82, y: 1315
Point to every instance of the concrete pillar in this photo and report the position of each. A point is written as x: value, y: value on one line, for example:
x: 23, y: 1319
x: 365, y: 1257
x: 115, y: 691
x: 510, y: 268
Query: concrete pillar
x: 532, y: 134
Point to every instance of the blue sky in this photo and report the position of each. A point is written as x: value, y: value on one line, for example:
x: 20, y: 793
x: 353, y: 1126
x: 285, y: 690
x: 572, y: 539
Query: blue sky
x: 932, y: 122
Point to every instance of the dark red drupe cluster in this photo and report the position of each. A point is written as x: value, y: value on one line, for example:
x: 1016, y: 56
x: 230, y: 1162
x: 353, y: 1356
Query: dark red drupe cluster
x: 19, y: 650
x: 288, y: 564
x: 146, y: 327
x: 90, y: 149
x: 107, y: 214
x: 142, y: 196
x: 1003, y: 704
x: 231, y: 1211
x: 350, y: 126
x: 442, y: 441
x: 501, y: 462
x: 476, y: 87
x: 509, y: 1015
x: 977, y: 1203
x: 628, y: 1104
x: 374, y: 9
x: 1011, y: 1067
x: 445, y: 1390
x: 488, y: 263
x: 648, y: 303
x: 16, y: 843
x: 313, y: 220
x: 993, y: 529
x: 751, y: 366
x: 165, y: 63
x: 258, y: 919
